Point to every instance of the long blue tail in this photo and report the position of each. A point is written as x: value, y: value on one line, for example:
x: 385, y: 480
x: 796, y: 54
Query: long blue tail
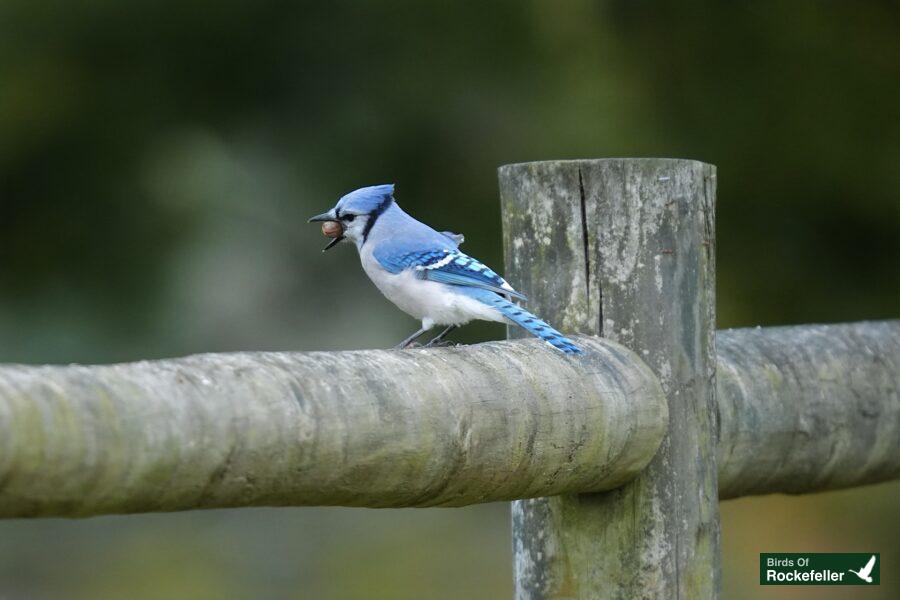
x: 528, y: 321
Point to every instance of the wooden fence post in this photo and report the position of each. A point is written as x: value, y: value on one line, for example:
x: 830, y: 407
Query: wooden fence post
x: 624, y: 248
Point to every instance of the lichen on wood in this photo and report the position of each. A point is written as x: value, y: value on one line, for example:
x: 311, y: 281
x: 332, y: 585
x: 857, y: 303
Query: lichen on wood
x: 808, y: 408
x: 624, y: 248
x: 376, y: 428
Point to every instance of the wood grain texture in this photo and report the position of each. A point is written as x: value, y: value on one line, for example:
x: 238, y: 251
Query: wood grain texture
x: 802, y: 409
x: 377, y: 428
x: 624, y: 248
x: 808, y: 408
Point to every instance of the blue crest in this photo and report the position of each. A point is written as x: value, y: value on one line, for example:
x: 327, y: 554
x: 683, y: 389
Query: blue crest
x: 366, y: 200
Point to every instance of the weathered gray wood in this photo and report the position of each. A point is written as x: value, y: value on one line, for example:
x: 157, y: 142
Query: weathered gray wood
x: 624, y: 248
x: 379, y: 428
x: 801, y: 409
x: 808, y: 408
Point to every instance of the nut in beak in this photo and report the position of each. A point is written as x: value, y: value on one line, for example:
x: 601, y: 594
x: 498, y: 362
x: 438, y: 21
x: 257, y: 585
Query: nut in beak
x: 332, y: 229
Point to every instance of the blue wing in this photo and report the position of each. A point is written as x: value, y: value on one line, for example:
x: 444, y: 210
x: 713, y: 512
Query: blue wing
x: 443, y: 263
x: 460, y: 269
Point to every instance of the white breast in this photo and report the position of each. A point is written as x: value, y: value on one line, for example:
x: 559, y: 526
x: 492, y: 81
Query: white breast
x: 429, y: 301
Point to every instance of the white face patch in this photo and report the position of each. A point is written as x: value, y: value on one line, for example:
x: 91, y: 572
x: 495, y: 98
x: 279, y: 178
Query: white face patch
x: 353, y: 230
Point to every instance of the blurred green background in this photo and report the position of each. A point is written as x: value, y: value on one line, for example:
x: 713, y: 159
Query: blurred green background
x: 158, y: 160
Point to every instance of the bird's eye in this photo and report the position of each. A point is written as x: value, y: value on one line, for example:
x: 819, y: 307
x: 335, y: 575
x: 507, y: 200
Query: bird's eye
x: 349, y: 218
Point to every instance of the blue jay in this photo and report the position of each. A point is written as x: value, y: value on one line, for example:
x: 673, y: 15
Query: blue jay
x: 422, y: 271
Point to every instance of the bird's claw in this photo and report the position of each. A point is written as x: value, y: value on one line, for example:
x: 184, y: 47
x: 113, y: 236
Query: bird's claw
x: 407, y: 346
x: 441, y: 344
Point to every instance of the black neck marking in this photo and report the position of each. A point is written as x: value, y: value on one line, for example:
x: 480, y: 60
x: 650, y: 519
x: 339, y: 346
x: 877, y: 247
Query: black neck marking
x: 373, y: 216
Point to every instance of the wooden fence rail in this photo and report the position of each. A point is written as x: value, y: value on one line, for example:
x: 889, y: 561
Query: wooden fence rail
x: 801, y: 409
x: 809, y: 408
x: 379, y: 428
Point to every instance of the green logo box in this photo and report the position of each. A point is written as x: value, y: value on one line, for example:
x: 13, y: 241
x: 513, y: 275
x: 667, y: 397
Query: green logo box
x: 818, y: 568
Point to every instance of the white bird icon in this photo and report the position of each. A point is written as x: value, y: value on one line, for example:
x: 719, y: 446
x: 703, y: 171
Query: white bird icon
x: 864, y: 573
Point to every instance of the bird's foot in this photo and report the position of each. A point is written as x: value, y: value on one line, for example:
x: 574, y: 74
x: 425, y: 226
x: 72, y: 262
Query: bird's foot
x: 410, y: 341
x: 441, y: 344
x: 407, y: 346
x: 441, y: 338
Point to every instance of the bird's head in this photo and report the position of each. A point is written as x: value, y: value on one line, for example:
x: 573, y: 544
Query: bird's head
x: 354, y: 215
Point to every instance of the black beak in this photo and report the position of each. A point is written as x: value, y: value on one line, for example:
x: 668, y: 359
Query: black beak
x: 325, y: 216
x: 332, y: 243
